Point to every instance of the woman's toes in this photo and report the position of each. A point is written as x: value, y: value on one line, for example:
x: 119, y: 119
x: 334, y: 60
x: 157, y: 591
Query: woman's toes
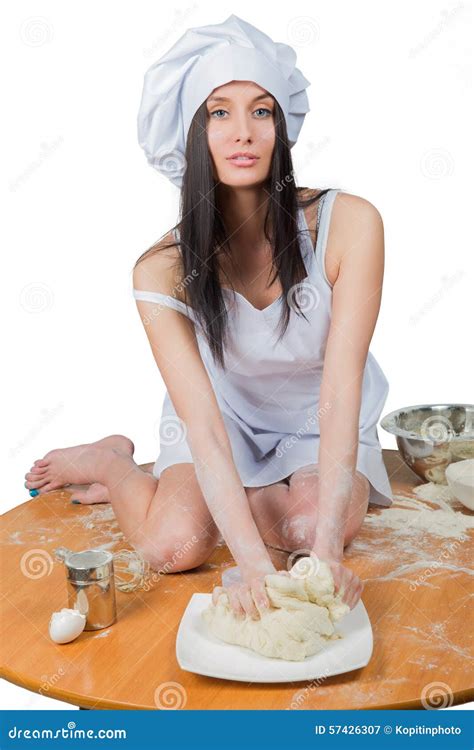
x: 41, y: 491
x: 34, y: 479
x: 46, y: 488
x: 33, y: 483
x: 35, y: 474
x: 37, y: 482
x: 40, y: 462
x: 96, y: 493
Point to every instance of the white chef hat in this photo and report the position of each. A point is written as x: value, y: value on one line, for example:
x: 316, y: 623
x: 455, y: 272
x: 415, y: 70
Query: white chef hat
x: 203, y: 58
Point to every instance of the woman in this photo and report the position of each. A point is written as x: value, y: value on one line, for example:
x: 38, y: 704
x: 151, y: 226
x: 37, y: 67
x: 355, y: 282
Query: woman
x: 265, y: 439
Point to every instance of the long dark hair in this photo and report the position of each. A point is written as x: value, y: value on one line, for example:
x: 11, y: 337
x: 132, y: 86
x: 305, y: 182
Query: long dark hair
x: 203, y: 236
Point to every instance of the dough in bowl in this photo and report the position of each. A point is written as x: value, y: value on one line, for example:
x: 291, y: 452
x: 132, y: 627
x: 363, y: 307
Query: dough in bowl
x: 299, y: 622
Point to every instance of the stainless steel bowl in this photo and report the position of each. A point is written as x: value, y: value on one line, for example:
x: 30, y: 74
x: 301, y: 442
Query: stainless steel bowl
x: 430, y: 437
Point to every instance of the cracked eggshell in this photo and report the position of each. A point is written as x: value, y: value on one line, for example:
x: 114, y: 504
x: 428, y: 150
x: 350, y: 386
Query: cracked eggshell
x: 66, y: 625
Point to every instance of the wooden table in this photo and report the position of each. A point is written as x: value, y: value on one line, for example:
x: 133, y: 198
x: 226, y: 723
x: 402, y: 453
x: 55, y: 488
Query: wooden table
x: 422, y: 631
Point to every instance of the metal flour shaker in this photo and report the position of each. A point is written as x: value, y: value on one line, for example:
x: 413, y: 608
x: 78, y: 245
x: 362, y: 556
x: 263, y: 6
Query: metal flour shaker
x: 91, y: 586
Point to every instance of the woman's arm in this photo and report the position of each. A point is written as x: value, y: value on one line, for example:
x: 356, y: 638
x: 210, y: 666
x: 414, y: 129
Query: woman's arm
x: 357, y: 228
x: 174, y: 345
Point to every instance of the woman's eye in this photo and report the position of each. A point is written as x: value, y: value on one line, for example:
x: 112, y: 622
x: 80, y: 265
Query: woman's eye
x: 260, y: 109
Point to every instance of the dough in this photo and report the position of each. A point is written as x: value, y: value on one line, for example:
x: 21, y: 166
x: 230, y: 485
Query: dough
x: 299, y: 622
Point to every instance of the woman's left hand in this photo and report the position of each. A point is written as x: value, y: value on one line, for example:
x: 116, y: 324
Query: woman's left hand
x: 346, y: 581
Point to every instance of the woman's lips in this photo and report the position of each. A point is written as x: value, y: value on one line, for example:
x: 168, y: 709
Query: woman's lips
x: 240, y: 162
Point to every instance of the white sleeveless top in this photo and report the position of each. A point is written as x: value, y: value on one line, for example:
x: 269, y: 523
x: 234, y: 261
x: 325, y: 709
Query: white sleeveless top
x: 269, y: 392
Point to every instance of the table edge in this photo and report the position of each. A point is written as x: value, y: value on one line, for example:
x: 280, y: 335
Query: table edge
x: 461, y: 696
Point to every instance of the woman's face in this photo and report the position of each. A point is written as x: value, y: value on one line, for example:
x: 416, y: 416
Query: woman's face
x: 240, y: 118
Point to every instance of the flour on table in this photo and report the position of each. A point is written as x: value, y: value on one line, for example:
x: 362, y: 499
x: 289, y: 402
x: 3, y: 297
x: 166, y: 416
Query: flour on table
x: 433, y: 492
x: 416, y: 529
x: 450, y: 519
x: 299, y: 622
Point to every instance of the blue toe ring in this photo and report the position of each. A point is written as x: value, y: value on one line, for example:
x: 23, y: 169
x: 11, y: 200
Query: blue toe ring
x: 33, y: 493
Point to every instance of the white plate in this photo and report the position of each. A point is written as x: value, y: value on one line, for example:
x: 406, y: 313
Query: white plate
x: 197, y: 650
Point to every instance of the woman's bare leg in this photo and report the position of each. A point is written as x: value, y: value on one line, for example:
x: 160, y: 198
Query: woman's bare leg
x: 179, y: 524
x: 166, y: 520
x: 268, y: 504
x: 286, y: 516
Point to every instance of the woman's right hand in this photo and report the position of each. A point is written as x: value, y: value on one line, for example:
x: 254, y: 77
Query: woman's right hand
x: 247, y: 597
x: 346, y: 582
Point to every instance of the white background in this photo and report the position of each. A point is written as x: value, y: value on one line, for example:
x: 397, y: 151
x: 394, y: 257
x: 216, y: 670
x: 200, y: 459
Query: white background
x: 389, y: 121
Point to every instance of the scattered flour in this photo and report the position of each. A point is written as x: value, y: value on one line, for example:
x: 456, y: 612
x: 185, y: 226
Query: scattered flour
x: 432, y: 638
x: 103, y: 521
x: 357, y: 694
x: 102, y: 635
x: 450, y: 519
x: 429, y: 566
x: 423, y: 661
x: 432, y: 491
x: 435, y: 637
x: 98, y: 515
x: 434, y: 522
x: 31, y: 536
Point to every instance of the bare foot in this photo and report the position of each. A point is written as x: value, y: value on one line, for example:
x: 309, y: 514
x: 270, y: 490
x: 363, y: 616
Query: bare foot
x: 98, y: 493
x: 95, y: 493
x: 60, y: 467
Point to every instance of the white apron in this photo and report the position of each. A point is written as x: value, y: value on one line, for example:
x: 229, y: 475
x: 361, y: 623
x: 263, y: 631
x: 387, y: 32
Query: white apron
x: 269, y: 392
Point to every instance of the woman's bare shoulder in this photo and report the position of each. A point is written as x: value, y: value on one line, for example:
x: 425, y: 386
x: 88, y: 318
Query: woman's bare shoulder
x: 353, y: 220
x: 352, y: 211
x: 159, y: 269
x: 348, y: 202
